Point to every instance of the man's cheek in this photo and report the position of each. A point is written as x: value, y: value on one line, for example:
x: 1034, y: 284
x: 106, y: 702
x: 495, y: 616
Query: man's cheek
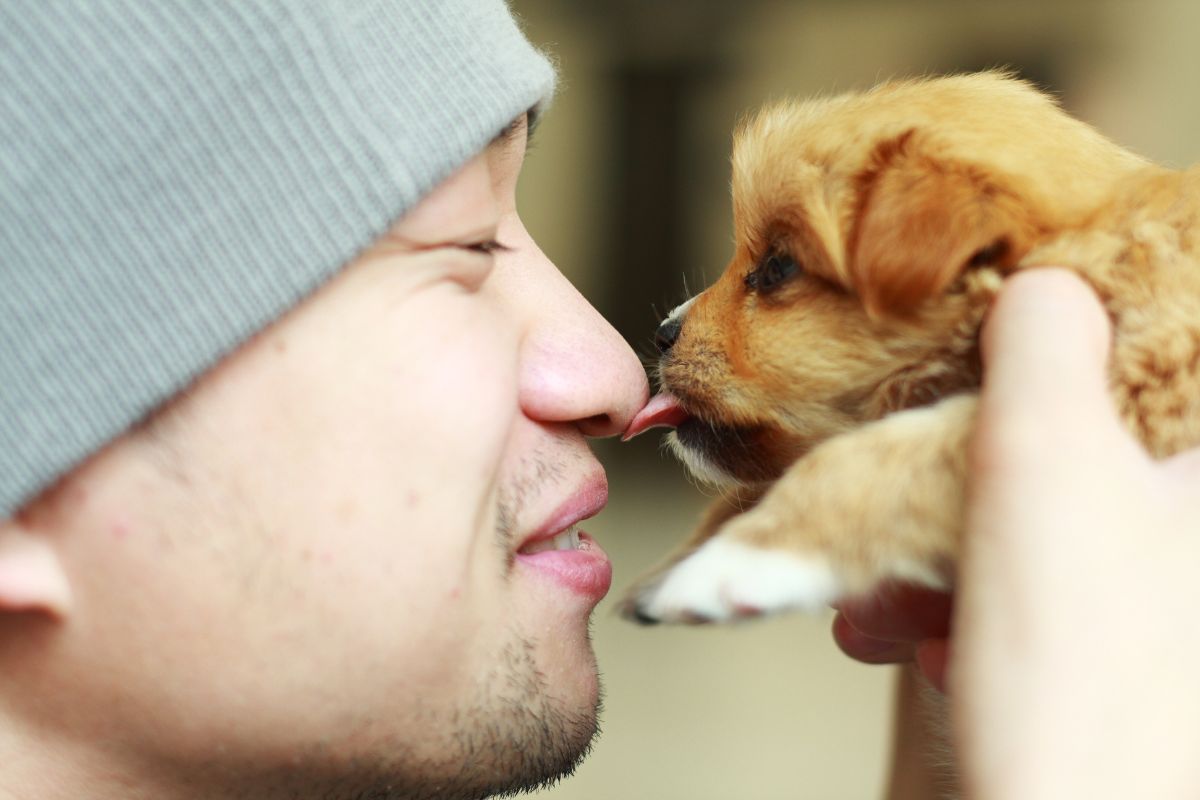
x: 466, y: 398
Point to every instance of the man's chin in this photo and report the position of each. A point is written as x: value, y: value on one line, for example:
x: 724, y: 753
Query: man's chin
x: 575, y: 747
x: 538, y: 762
x: 545, y: 725
x: 529, y: 750
x: 528, y: 722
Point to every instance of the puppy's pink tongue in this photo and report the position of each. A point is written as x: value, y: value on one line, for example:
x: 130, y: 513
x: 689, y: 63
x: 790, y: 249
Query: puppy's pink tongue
x: 663, y: 411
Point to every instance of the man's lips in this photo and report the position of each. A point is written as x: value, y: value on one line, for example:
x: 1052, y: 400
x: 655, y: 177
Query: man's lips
x: 663, y: 411
x: 584, y: 503
x: 584, y: 569
x: 561, y: 552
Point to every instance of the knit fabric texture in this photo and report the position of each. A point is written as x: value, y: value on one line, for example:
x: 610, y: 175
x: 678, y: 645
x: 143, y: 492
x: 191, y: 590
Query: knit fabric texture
x: 174, y: 176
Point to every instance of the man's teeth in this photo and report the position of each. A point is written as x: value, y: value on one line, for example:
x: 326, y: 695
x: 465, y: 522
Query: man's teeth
x: 567, y: 540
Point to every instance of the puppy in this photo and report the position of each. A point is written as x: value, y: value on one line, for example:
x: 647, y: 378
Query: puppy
x: 827, y: 382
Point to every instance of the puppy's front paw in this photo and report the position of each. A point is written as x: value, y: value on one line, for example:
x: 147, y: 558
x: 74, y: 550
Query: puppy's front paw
x: 727, y: 580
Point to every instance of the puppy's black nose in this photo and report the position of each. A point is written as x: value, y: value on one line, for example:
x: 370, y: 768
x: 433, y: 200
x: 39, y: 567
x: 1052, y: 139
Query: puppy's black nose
x: 667, y: 333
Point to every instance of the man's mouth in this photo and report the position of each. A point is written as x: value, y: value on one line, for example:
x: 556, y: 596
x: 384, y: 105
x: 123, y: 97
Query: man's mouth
x: 560, y: 551
x: 567, y: 540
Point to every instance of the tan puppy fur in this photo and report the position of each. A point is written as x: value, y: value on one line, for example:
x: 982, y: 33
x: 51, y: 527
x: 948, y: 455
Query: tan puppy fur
x: 832, y: 370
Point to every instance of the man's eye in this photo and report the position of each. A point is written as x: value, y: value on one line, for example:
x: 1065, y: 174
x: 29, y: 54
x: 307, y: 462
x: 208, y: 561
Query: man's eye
x: 771, y: 272
x: 488, y: 246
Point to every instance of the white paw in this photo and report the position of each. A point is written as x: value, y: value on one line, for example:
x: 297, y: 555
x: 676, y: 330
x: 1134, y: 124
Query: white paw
x: 724, y: 581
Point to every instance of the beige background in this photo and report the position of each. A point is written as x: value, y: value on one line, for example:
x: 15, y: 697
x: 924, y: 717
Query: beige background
x: 772, y: 710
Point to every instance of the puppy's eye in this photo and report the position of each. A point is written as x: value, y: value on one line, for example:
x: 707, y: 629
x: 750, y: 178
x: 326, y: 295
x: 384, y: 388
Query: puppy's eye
x: 771, y: 272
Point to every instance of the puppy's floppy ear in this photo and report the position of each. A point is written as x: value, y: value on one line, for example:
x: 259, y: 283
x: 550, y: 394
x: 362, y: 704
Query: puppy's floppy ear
x: 921, y: 221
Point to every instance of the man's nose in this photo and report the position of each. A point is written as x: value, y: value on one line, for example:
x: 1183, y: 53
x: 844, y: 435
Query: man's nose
x: 667, y: 333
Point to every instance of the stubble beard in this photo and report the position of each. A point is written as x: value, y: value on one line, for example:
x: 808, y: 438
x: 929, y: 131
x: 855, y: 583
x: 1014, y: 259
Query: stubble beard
x: 511, y: 737
x: 519, y: 740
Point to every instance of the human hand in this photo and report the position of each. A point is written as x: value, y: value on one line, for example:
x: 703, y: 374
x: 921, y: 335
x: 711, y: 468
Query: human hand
x: 1073, y: 651
x: 897, y: 623
x: 902, y: 623
x: 1075, y: 644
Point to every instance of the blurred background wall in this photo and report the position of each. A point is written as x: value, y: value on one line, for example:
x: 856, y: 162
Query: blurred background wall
x: 626, y: 189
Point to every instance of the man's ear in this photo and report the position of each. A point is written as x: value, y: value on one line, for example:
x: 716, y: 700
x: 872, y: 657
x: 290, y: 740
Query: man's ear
x: 32, y: 579
x: 922, y: 221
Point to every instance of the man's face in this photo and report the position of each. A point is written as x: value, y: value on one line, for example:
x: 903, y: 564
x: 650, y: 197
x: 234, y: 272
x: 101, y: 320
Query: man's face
x: 306, y: 576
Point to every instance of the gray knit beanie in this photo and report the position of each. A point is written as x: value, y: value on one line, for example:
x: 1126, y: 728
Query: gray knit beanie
x: 175, y: 175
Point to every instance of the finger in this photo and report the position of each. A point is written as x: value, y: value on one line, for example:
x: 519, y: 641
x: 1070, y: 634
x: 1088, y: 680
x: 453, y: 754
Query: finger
x: 900, y: 613
x: 867, y: 649
x: 1045, y: 347
x: 932, y: 656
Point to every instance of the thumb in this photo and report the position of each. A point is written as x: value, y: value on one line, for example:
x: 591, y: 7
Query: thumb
x: 1045, y: 349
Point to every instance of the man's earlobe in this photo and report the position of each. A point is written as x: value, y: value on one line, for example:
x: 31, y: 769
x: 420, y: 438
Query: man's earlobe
x: 32, y: 579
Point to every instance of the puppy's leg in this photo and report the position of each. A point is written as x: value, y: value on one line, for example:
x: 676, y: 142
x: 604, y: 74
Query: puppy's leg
x: 715, y: 517
x: 884, y: 501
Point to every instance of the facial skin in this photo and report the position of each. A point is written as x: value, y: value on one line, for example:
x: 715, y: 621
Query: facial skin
x: 300, y: 579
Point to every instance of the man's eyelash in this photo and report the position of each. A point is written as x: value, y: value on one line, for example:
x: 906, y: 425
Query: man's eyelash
x: 487, y: 246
